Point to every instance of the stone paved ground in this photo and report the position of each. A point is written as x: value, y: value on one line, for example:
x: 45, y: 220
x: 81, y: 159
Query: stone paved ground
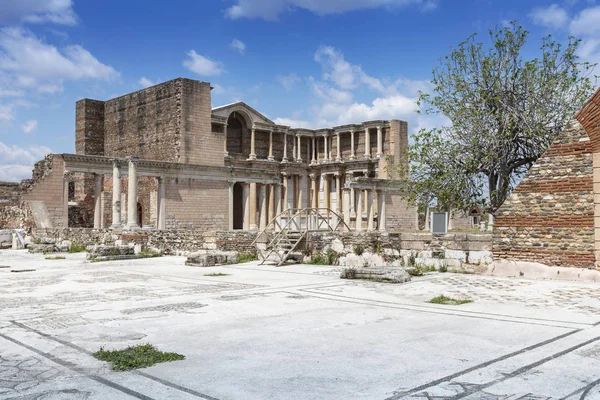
x: 296, y: 332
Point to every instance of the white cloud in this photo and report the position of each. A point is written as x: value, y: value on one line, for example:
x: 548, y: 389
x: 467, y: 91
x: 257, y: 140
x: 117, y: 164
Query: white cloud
x: 6, y: 112
x: 202, y: 65
x: 38, y: 11
x: 11, y: 93
x: 239, y: 46
x: 27, y: 62
x: 288, y: 81
x: 17, y: 162
x: 586, y: 23
x: 335, y: 97
x: 145, y: 82
x: 271, y: 9
x: 29, y: 126
x: 553, y: 16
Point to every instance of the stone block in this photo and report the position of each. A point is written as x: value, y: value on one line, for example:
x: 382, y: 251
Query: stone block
x: 385, y: 274
x: 480, y: 257
x: 456, y: 255
x: 206, y: 258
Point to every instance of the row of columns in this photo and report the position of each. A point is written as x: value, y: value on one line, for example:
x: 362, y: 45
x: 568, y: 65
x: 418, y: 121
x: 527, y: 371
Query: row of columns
x: 132, y: 198
x: 297, y: 149
x: 261, y: 208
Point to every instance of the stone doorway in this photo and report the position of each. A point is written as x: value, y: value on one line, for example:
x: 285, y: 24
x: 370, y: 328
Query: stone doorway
x: 238, y: 206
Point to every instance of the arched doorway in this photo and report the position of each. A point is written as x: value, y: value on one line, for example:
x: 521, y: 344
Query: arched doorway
x: 140, y: 214
x: 238, y: 206
x: 236, y: 126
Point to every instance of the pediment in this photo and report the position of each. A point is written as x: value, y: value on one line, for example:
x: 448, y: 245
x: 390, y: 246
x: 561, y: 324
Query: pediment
x: 252, y: 116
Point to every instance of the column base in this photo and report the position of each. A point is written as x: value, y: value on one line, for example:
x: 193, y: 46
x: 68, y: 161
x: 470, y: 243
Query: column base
x: 130, y: 227
x: 252, y: 157
x: 367, y: 157
x: 271, y: 158
x: 115, y: 226
x: 253, y: 228
x: 338, y: 159
x: 284, y: 160
x: 225, y: 154
x: 299, y: 160
x: 378, y: 155
x: 352, y: 158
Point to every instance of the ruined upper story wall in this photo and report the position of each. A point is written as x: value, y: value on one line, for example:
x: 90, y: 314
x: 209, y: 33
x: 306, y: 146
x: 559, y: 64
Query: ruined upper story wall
x: 145, y: 124
x: 167, y: 122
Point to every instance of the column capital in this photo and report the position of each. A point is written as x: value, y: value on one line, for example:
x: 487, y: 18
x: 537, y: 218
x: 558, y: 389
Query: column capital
x: 67, y: 175
x: 313, y: 177
x: 117, y: 162
x: 285, y: 174
x: 132, y: 159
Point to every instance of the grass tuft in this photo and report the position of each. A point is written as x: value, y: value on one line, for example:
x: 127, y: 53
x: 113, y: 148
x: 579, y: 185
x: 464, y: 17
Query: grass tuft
x: 55, y: 258
x: 247, y: 257
x: 449, y: 301
x: 217, y: 274
x: 77, y: 248
x: 134, y: 357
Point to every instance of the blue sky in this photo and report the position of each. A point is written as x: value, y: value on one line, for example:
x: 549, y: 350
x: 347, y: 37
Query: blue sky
x: 304, y: 63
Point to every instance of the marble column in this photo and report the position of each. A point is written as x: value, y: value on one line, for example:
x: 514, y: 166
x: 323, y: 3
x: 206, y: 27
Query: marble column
x: 285, y: 157
x: 338, y: 156
x: 326, y: 191
x: 352, y: 154
x: 132, y: 222
x: 304, y: 192
x: 271, y: 205
x: 367, y: 144
x: 299, y: 158
x: 262, y: 198
x: 253, y: 145
x: 253, y: 193
x: 98, y: 180
x: 352, y: 202
x: 231, y: 184
x: 338, y: 193
x: 315, y: 155
x: 314, y: 190
x: 379, y: 142
x: 116, y: 196
x: 270, y: 158
x: 161, y: 205
x: 246, y: 200
x: 277, y: 198
x: 294, y: 152
x: 285, y: 194
x: 346, y: 206
x: 359, y: 209
x: 325, y: 140
x: 370, y: 211
x: 381, y: 217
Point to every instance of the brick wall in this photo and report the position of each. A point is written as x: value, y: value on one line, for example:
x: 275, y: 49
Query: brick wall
x: 549, y: 217
x: 145, y: 123
x: 199, y: 145
x: 50, y: 191
x: 89, y: 127
x: 195, y: 204
x: 400, y: 215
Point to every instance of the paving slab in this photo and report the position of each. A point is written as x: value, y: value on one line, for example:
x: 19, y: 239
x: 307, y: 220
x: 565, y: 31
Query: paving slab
x: 294, y: 332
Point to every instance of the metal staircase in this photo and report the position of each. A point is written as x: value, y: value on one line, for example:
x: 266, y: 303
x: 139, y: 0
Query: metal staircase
x: 284, y: 234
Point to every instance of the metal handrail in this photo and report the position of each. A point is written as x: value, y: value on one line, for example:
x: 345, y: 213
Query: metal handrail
x: 298, y: 213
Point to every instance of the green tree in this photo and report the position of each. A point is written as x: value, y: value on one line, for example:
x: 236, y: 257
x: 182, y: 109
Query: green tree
x: 504, y: 112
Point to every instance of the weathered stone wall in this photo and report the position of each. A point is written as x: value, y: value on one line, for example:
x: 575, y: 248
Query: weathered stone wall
x: 549, y: 217
x: 89, y: 127
x: 145, y: 123
x: 50, y: 190
x: 16, y: 215
x: 459, y: 246
x: 199, y: 145
x: 195, y: 204
x: 400, y: 215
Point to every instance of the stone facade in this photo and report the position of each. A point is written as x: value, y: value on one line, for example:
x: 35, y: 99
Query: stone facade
x: 549, y: 217
x: 223, y: 168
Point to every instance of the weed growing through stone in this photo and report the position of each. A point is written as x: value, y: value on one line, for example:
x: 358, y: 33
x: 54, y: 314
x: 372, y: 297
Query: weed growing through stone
x: 135, y: 357
x: 217, y: 274
x: 55, y: 258
x: 247, y: 257
x: 329, y: 258
x: 358, y: 250
x: 150, y: 253
x: 449, y: 301
x: 77, y: 248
